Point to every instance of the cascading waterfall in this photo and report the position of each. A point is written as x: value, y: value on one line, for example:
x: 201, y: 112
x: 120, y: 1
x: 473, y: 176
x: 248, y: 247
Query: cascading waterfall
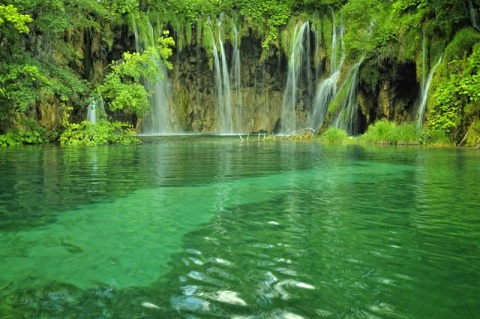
x: 348, y: 116
x: 238, y: 123
x: 297, y: 59
x: 161, y: 119
x: 218, y: 77
x: 226, y: 120
x: 328, y: 87
x: 95, y: 110
x: 317, y: 59
x: 222, y: 84
x: 424, y: 95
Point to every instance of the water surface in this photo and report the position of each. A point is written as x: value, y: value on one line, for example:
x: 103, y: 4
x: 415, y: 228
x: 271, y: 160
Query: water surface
x: 198, y: 227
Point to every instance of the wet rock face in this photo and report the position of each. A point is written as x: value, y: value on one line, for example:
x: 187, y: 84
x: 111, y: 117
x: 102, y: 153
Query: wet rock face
x: 257, y: 107
x: 392, y: 96
x: 388, y: 92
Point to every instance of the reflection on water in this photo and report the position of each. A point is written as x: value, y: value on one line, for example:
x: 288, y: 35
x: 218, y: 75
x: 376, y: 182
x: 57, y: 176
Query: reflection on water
x: 202, y: 228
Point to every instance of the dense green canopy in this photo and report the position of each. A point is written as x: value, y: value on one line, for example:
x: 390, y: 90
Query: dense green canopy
x: 59, y: 53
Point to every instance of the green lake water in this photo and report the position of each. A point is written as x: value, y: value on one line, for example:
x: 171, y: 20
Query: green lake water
x: 198, y: 227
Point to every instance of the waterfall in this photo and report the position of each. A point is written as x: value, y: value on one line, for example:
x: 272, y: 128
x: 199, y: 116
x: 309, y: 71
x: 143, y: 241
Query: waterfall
x: 424, y: 57
x: 95, y: 110
x: 218, y: 78
x: 317, y: 59
x: 473, y: 15
x: 327, y: 88
x: 297, y: 59
x: 238, y: 123
x: 161, y: 119
x: 348, y: 116
x: 222, y: 84
x: 227, y: 118
x: 424, y: 95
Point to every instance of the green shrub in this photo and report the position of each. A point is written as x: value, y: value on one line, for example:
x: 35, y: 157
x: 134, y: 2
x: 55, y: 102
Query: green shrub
x: 334, y: 135
x: 407, y: 134
x: 435, y: 137
x: 24, y: 137
x: 9, y: 139
x: 384, y: 132
x: 381, y: 132
x: 473, y: 134
x: 102, y: 133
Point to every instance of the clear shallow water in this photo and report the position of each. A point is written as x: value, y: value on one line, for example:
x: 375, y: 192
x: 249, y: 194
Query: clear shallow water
x: 205, y: 227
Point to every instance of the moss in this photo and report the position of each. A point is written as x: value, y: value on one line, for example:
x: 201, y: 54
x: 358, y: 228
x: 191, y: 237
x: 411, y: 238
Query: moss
x: 462, y: 44
x: 336, y: 104
x: 473, y: 137
x: 370, y: 74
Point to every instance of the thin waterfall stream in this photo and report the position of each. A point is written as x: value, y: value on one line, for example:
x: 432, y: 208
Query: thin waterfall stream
x: 424, y: 95
x: 95, y: 110
x: 228, y: 120
x: 328, y: 87
x: 297, y: 60
x: 347, y: 118
x: 237, y: 84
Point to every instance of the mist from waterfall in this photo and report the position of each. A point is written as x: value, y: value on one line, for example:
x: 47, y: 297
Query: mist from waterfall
x: 327, y: 88
x: 298, y: 58
x: 162, y: 118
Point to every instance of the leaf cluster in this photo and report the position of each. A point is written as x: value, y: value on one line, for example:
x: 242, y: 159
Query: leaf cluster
x: 9, y: 13
x: 102, y: 133
x: 458, y: 98
x: 122, y: 87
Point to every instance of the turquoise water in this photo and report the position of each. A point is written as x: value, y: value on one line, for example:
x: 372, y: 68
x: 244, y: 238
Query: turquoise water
x: 214, y: 228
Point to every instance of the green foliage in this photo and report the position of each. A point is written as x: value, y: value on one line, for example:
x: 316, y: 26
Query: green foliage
x: 9, y: 139
x: 385, y: 132
x: 9, y: 13
x: 458, y: 98
x: 381, y: 132
x: 16, y: 83
x: 473, y: 137
x: 435, y: 138
x: 462, y: 44
x: 122, y: 87
x: 334, y: 135
x: 102, y: 133
x: 27, y: 131
x: 407, y: 134
x: 370, y: 74
x: 371, y: 28
x: 39, y: 136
